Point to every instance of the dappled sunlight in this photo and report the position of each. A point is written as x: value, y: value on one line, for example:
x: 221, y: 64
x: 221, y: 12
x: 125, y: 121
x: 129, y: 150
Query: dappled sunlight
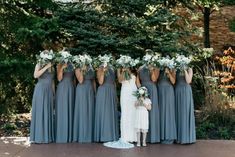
x: 12, y: 146
x: 22, y: 141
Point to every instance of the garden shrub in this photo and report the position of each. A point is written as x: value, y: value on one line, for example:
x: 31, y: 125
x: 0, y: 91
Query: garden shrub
x: 232, y: 25
x: 16, y: 86
x: 228, y: 2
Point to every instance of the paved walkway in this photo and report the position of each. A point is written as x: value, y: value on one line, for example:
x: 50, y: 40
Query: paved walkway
x: 17, y: 147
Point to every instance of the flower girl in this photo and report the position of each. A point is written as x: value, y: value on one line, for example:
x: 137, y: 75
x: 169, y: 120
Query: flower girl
x: 143, y: 104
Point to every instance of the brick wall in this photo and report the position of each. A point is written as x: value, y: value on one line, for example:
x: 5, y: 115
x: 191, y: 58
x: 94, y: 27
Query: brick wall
x: 220, y: 33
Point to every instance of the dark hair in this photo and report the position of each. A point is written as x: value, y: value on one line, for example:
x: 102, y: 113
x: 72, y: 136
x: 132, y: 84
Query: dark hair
x: 133, y: 71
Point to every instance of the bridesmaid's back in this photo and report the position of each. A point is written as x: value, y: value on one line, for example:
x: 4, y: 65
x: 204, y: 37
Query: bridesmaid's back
x: 109, y: 76
x: 180, y: 79
x: 163, y: 79
x: 46, y: 77
x: 144, y: 74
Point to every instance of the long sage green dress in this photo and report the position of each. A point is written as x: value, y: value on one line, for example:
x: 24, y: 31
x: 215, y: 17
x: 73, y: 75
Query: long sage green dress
x: 64, y: 107
x: 106, y: 114
x: 185, y: 119
x: 154, y: 117
x: 167, y: 109
x: 42, y: 124
x: 84, y: 109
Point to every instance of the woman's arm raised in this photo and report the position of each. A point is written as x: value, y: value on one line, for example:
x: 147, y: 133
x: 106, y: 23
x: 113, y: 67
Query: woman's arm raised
x: 60, y: 69
x: 188, y: 75
x: 79, y: 75
x: 38, y: 71
x: 154, y: 74
x: 171, y: 75
x: 120, y: 75
x: 100, y: 75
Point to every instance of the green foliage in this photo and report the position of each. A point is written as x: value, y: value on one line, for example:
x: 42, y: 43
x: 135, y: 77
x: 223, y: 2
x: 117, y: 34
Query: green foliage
x: 232, y: 25
x: 216, y: 126
x: 208, y: 3
x: 17, y: 125
x: 25, y: 27
x: 228, y: 2
x: 216, y: 120
x: 122, y: 28
x: 203, y: 129
x: 16, y: 86
x: 198, y: 89
x: 9, y: 126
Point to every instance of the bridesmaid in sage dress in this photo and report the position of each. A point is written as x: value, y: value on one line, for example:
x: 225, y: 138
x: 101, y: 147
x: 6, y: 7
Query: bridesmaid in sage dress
x: 106, y: 117
x: 167, y: 106
x: 84, y: 105
x: 64, y: 105
x: 185, y: 119
x: 41, y: 128
x: 147, y: 77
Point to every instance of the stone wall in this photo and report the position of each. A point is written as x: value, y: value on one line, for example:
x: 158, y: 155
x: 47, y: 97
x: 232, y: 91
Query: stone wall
x: 220, y: 34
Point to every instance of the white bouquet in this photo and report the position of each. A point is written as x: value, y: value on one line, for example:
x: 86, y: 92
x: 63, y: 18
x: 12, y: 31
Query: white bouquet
x: 103, y: 61
x: 63, y: 57
x: 166, y: 62
x: 182, y: 62
x: 135, y: 62
x: 79, y: 61
x: 151, y: 59
x: 142, y: 91
x: 126, y: 62
x: 45, y: 57
x: 147, y: 58
x: 154, y: 60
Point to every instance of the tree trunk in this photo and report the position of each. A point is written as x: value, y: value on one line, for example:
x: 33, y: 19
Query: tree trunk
x: 207, y: 27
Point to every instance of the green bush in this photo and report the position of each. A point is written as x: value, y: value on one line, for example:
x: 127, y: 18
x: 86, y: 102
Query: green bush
x: 16, y: 86
x: 216, y: 126
x: 232, y: 25
x: 198, y: 90
x: 203, y: 129
x: 9, y: 126
x: 228, y: 2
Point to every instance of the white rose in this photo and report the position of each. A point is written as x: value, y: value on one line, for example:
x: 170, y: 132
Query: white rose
x: 49, y: 57
x: 141, y: 91
x: 41, y: 55
x: 147, y: 57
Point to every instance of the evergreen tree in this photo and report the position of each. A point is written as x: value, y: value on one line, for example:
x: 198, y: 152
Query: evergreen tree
x: 122, y: 27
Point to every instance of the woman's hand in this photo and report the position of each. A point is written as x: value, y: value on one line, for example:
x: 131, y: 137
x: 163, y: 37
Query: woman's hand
x: 124, y: 69
x: 151, y: 68
x: 84, y: 68
x: 167, y: 71
x: 147, y: 106
x: 64, y: 66
x: 48, y: 65
x: 104, y: 69
x: 170, y: 75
